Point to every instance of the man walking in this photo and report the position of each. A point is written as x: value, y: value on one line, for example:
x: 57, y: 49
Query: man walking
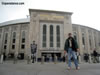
x: 71, y: 47
x: 33, y: 51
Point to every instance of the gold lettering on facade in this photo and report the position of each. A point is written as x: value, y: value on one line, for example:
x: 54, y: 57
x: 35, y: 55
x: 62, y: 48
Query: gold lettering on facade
x: 51, y: 16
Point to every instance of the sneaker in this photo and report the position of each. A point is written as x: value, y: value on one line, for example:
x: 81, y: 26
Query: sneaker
x: 69, y: 68
x: 77, y: 68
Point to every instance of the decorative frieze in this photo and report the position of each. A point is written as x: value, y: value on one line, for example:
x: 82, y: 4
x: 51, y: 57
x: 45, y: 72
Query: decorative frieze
x: 14, y: 28
x: 0, y: 30
x: 24, y: 27
x: 6, y: 29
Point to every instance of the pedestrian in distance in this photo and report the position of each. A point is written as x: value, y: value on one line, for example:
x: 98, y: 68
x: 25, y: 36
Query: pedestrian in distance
x: 95, y: 55
x: 86, y: 57
x: 33, y: 51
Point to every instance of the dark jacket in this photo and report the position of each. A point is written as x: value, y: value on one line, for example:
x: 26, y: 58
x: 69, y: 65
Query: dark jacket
x: 74, y: 44
x: 95, y: 53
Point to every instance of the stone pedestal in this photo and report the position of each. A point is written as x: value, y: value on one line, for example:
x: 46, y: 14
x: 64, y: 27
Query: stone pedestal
x: 1, y: 59
x: 28, y: 59
x: 42, y: 60
x: 79, y: 59
x: 55, y: 59
x: 15, y: 58
x: 90, y: 61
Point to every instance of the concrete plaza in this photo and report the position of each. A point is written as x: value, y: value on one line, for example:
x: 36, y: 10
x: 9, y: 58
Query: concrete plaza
x: 22, y: 68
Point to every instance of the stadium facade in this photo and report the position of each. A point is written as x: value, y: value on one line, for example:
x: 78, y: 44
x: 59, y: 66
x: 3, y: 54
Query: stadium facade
x: 49, y: 29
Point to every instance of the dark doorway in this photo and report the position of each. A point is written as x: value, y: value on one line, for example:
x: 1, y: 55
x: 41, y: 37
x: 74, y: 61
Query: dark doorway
x: 47, y: 56
x: 21, y: 56
x: 11, y: 55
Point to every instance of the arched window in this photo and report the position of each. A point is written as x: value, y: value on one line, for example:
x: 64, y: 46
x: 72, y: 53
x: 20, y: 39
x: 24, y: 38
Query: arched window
x: 58, y: 35
x: 14, y: 37
x: 13, y: 40
x: 44, y: 35
x: 23, y: 40
x: 6, y: 36
x: 95, y: 42
x: 23, y: 34
x: 23, y: 37
x: 0, y: 36
x: 51, y: 35
x: 83, y: 40
x: 5, y: 41
x: 90, y: 41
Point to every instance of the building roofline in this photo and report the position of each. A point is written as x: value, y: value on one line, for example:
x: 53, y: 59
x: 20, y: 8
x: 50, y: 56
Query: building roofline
x: 25, y: 20
x: 51, y: 11
x: 85, y: 26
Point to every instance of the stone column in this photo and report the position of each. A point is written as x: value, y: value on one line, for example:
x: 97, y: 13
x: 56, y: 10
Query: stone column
x: 97, y: 41
x: 34, y: 30
x: 9, y: 41
x: 48, y: 36
x: 62, y: 42
x: 26, y: 37
x: 93, y: 41
x: 67, y: 27
x: 17, y: 45
x: 80, y: 44
x: 54, y: 37
x: 2, y: 40
x: 30, y: 37
x: 88, y: 46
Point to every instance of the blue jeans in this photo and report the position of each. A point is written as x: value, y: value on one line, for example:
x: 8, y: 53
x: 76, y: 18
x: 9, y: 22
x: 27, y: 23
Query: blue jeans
x: 71, y: 54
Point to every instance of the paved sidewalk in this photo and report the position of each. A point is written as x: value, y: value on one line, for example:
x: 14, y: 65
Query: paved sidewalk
x: 22, y: 68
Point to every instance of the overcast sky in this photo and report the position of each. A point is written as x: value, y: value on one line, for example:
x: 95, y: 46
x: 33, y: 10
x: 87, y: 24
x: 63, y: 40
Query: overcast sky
x: 85, y: 12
